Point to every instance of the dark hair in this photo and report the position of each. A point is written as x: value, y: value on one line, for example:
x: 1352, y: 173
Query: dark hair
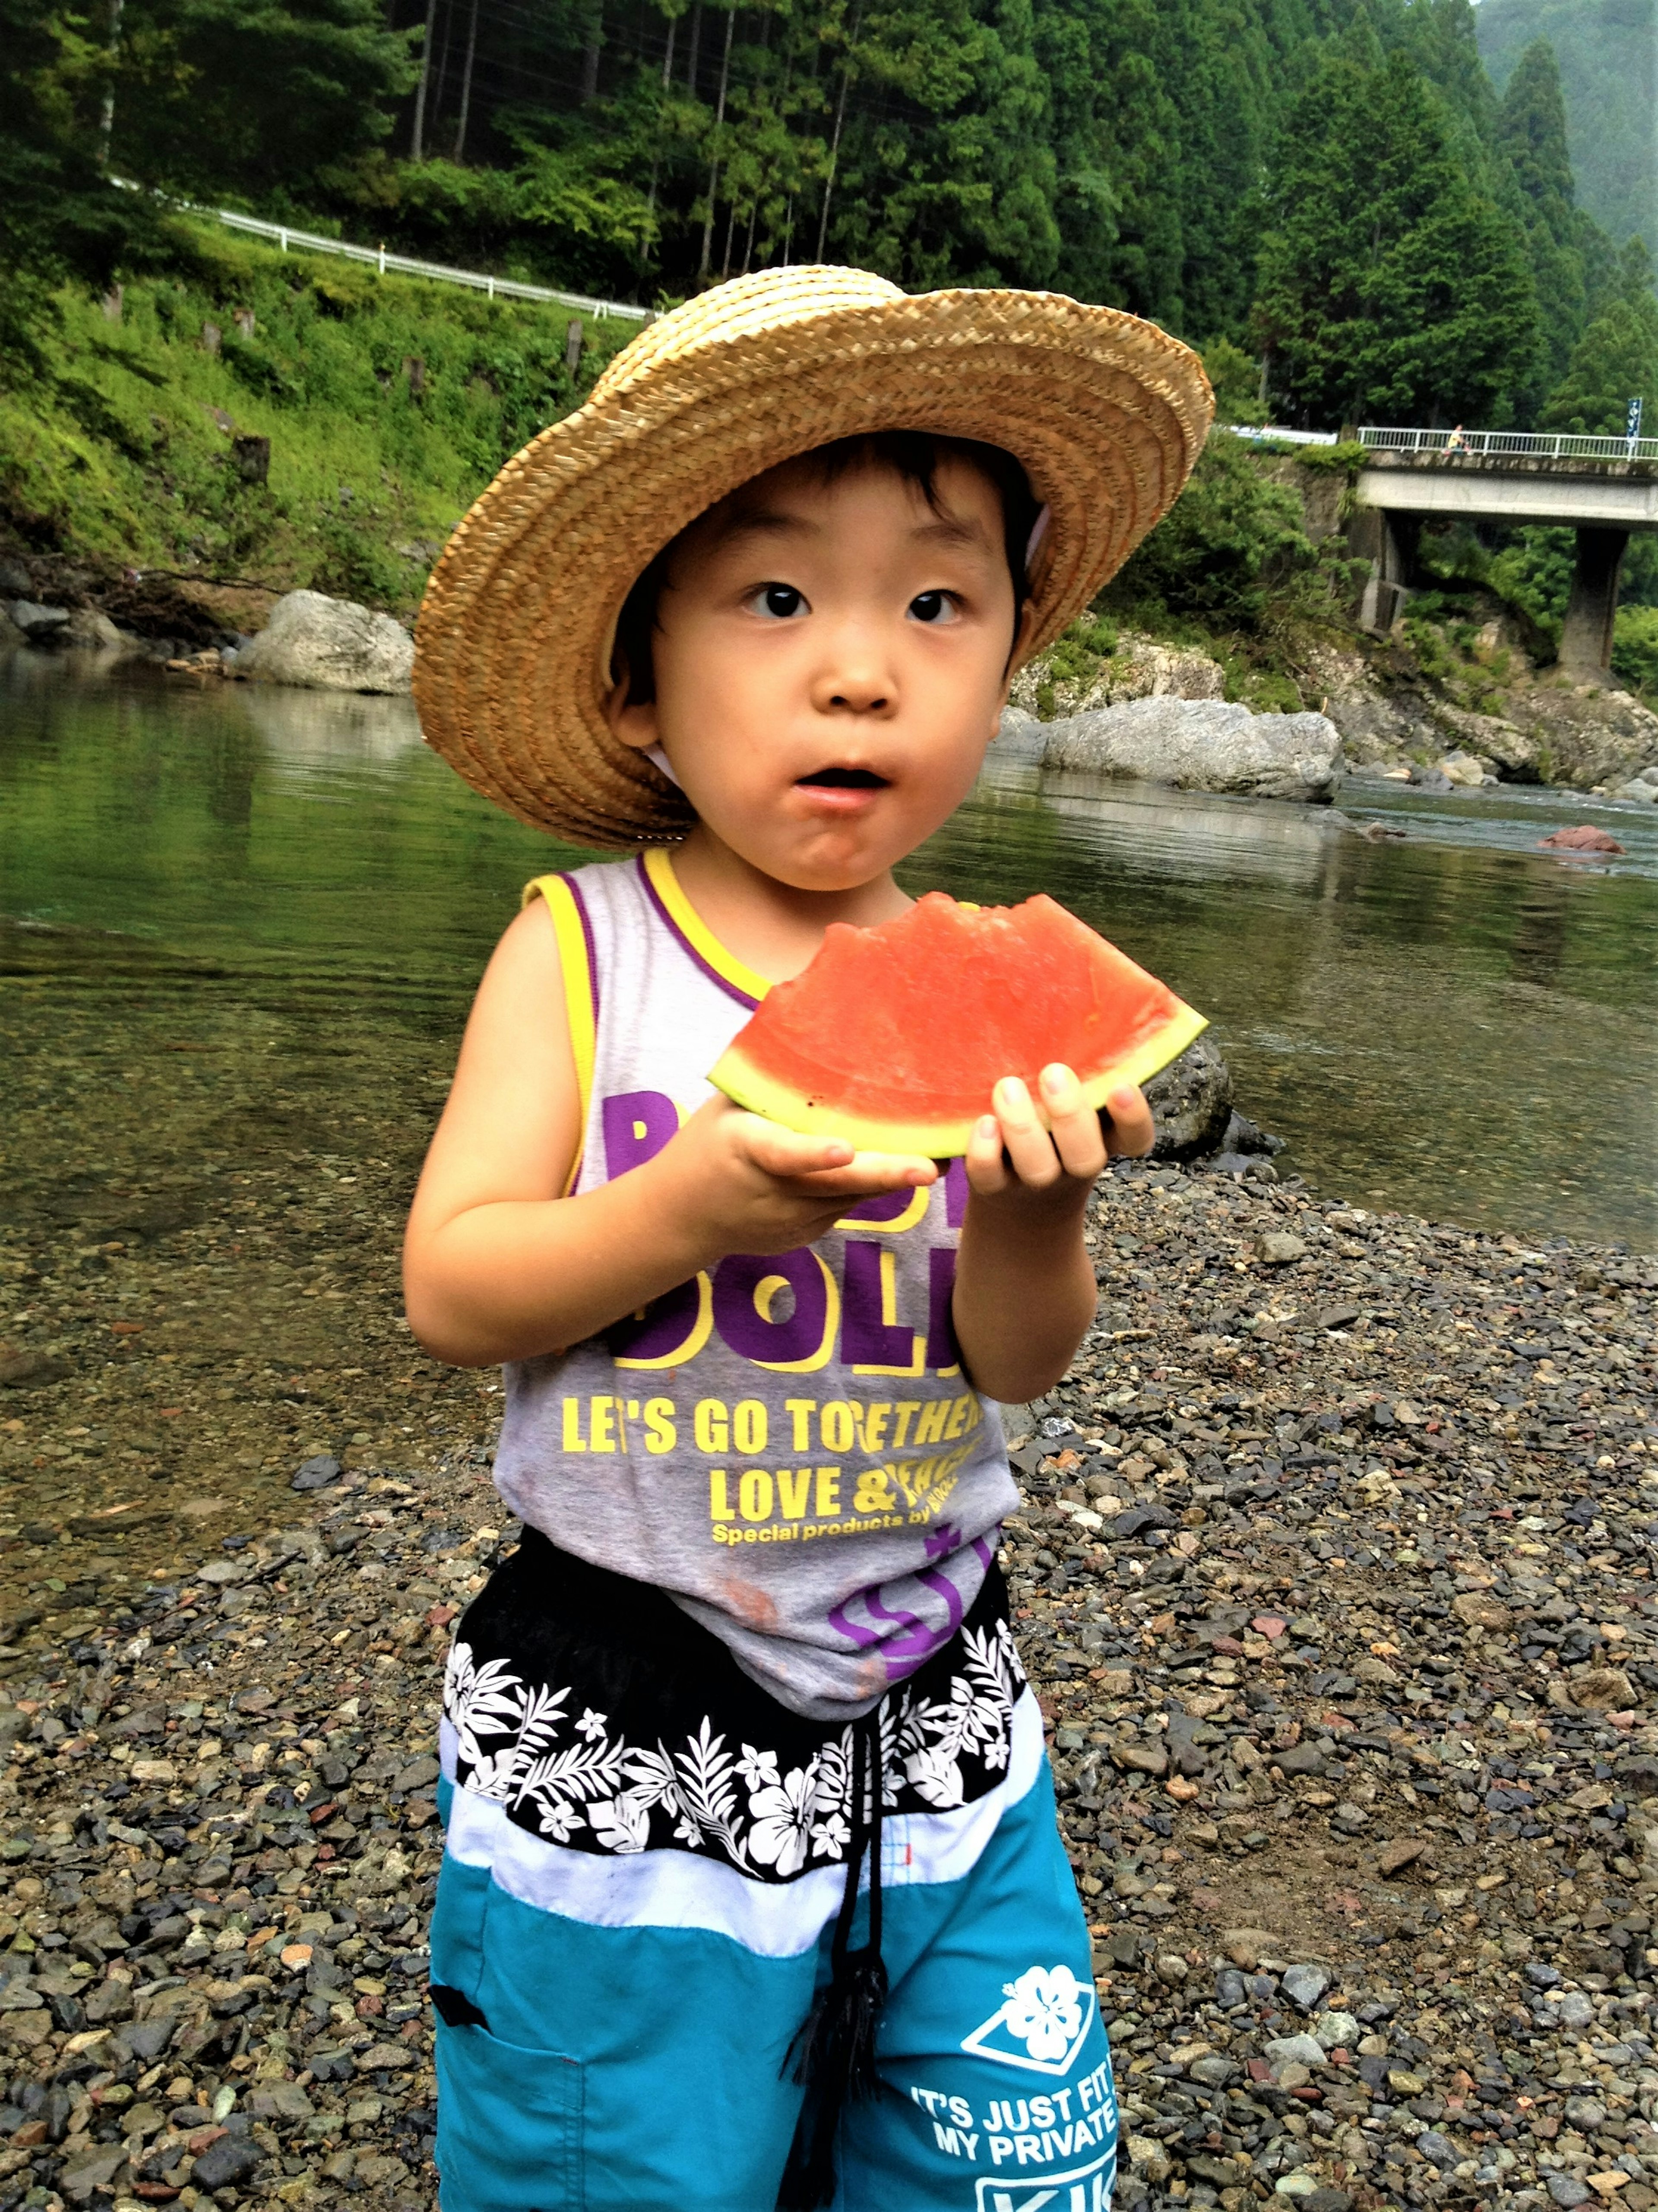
x: 912, y: 455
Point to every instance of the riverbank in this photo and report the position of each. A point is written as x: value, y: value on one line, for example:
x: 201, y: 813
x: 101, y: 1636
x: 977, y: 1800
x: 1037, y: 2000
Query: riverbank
x: 1334, y: 1577
x: 246, y: 420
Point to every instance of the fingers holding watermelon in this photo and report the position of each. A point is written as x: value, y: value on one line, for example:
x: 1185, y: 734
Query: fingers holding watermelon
x: 1036, y: 1147
x: 748, y: 1184
x: 1063, y: 1139
x: 1127, y: 1120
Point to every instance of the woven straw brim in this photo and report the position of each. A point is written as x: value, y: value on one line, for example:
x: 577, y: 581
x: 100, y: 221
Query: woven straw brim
x: 1106, y: 413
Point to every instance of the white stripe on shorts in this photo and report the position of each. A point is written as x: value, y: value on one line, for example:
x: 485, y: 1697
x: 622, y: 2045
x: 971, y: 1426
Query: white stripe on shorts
x: 683, y: 1889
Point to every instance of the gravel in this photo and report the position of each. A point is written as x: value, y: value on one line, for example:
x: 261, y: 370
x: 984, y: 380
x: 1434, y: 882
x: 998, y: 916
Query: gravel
x: 1334, y: 1574
x: 1335, y: 1577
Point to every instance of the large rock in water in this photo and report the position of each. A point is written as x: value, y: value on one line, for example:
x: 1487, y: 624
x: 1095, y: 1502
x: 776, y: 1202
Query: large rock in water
x: 329, y: 645
x: 1202, y: 744
x: 1191, y: 1104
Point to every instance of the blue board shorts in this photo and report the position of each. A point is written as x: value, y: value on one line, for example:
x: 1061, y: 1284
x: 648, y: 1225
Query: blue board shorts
x: 626, y: 2049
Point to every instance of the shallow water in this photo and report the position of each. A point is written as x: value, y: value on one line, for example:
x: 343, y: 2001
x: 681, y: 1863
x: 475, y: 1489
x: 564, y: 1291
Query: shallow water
x: 230, y: 914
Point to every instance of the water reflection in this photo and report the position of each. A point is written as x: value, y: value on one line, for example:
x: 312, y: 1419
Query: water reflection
x: 331, y: 729
x: 1182, y: 835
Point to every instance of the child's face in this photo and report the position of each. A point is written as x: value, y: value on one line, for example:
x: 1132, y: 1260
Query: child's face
x: 831, y: 660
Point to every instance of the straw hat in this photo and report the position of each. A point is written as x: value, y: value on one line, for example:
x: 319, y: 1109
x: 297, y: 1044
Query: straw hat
x: 512, y: 667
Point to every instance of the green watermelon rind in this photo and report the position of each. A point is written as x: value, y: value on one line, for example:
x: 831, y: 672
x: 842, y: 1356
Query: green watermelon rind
x: 747, y: 1085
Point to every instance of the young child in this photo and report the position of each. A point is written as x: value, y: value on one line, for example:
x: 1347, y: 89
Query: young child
x: 754, y: 1894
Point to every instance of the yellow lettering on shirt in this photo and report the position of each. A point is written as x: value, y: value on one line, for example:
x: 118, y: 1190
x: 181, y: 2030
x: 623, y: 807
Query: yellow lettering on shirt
x: 930, y: 1426
x: 800, y: 1411
x: 793, y: 1489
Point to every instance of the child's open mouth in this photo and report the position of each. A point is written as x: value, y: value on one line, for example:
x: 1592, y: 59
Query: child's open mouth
x: 842, y: 779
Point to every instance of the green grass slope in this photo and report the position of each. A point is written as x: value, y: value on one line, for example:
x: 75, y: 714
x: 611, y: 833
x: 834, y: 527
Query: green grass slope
x: 389, y: 404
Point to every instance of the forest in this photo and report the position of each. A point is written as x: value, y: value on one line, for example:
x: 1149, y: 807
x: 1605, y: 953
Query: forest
x: 1331, y: 198
x: 1330, y: 195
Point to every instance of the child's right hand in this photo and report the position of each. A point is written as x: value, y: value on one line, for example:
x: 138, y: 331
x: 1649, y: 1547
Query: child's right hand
x: 750, y: 1185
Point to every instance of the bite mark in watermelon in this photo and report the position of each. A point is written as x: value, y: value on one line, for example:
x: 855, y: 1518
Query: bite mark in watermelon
x: 894, y: 1037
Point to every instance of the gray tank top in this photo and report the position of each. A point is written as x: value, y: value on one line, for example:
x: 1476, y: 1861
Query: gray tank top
x: 788, y: 1445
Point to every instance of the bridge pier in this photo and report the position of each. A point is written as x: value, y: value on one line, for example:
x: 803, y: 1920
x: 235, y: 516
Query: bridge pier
x: 1585, y: 635
x: 1388, y: 540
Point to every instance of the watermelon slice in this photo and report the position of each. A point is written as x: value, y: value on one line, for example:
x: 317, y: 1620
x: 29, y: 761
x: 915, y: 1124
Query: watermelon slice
x: 894, y: 1037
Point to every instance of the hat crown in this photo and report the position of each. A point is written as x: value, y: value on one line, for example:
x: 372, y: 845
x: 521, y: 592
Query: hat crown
x: 776, y: 300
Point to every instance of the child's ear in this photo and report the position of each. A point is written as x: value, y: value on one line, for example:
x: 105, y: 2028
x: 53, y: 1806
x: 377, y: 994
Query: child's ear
x: 633, y: 721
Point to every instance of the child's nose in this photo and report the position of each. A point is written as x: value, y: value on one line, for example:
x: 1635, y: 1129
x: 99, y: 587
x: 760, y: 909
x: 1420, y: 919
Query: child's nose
x: 851, y: 683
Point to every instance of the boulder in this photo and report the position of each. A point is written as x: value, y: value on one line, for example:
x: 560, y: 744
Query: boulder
x: 1191, y: 1104
x: 329, y: 645
x: 40, y: 625
x: 1021, y: 737
x: 1202, y: 744
x: 1138, y: 667
x: 96, y: 633
x: 1465, y: 769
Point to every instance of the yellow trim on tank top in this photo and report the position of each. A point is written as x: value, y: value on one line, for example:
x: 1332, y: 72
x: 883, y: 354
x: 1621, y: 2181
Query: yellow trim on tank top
x: 658, y: 866
x: 576, y: 969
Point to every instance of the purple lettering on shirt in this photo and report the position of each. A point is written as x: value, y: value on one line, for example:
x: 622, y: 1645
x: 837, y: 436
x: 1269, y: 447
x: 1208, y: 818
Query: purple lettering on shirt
x: 796, y: 1332
x: 637, y: 1125
x: 666, y: 1324
x: 954, y: 1191
x: 867, y: 1339
x: 902, y: 1655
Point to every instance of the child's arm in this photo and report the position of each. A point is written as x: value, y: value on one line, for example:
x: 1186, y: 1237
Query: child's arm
x: 498, y: 1266
x: 1024, y: 1284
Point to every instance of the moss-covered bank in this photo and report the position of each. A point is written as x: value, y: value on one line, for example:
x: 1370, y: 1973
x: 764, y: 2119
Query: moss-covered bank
x: 388, y: 403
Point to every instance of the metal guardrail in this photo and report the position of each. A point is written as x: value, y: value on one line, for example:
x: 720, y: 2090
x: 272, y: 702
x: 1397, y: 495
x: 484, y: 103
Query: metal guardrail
x: 403, y: 265
x: 1508, y: 444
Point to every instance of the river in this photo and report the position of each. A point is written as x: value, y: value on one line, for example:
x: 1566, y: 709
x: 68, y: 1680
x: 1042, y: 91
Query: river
x: 1455, y: 1022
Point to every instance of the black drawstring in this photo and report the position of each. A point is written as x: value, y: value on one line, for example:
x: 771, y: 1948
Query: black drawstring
x: 833, y: 2052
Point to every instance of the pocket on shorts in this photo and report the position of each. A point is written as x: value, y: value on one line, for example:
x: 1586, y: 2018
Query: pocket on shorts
x: 509, y: 2125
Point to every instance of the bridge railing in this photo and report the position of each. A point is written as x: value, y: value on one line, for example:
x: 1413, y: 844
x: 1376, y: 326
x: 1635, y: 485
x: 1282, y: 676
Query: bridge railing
x: 1264, y: 435
x: 1508, y: 444
x: 403, y: 265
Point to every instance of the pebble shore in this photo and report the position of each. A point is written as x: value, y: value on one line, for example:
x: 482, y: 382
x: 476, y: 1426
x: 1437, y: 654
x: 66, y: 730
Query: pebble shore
x: 1334, y: 1577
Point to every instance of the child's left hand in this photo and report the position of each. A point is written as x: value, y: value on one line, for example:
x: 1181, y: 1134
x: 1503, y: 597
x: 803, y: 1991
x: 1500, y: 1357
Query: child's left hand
x: 1011, y: 1151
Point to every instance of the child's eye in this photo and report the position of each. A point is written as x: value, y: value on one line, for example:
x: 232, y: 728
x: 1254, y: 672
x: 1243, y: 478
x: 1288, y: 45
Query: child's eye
x: 780, y: 601
x: 934, y: 607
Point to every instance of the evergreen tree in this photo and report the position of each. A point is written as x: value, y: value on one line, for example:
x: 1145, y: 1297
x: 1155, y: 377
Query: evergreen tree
x: 1532, y: 133
x: 1116, y: 134
x: 269, y: 100
x: 1390, y: 287
x: 944, y: 172
x: 1608, y: 55
x: 59, y: 216
x: 1614, y: 362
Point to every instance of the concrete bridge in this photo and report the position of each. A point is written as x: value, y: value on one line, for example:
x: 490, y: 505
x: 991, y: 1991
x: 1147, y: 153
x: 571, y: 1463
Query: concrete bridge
x: 1601, y: 488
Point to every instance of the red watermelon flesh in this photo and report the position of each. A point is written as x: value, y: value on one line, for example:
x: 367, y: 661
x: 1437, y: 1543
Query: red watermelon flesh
x: 894, y: 1037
